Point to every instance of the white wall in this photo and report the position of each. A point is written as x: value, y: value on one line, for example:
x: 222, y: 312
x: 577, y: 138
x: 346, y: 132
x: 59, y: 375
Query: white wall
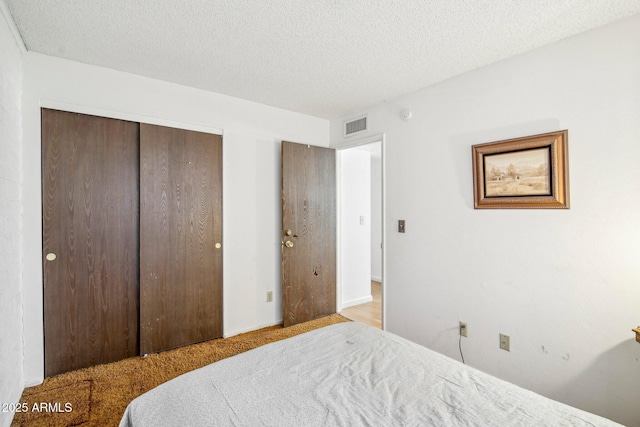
x: 355, y: 226
x: 564, y: 284
x: 11, y: 347
x: 251, y: 177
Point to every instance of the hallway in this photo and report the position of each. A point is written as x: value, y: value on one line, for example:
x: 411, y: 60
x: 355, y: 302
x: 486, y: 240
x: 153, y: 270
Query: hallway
x: 369, y: 313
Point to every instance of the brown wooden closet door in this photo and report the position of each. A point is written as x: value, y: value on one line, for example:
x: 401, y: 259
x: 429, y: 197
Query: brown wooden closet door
x: 90, y: 240
x: 180, y: 237
x: 309, y: 213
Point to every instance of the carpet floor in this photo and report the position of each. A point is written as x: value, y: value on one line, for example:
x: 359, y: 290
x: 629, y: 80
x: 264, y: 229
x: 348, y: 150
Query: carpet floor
x: 98, y: 396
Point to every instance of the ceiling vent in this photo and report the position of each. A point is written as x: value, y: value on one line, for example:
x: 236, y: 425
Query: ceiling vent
x: 354, y: 126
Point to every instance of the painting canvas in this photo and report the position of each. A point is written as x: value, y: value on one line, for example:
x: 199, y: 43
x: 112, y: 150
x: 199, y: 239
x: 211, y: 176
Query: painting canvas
x: 527, y: 172
x: 519, y: 173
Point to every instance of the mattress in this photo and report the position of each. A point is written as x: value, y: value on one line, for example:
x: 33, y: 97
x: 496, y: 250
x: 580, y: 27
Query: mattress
x: 347, y: 374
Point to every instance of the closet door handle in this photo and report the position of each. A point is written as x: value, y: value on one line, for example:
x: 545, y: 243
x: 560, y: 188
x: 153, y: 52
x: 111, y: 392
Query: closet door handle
x: 51, y: 256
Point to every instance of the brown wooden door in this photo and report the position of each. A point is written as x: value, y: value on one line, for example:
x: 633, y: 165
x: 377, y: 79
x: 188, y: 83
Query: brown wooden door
x: 180, y: 237
x: 309, y: 212
x: 90, y: 240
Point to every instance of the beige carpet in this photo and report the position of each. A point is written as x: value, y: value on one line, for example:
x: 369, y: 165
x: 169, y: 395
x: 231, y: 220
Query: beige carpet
x: 98, y: 396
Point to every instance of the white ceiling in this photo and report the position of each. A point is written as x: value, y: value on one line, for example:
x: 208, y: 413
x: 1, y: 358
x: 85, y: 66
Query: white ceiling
x: 326, y: 58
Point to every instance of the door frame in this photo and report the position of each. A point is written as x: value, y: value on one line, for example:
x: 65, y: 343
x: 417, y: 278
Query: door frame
x: 380, y: 137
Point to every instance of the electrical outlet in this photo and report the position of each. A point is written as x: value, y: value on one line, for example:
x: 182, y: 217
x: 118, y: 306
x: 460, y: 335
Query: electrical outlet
x: 269, y: 296
x: 504, y: 342
x: 463, y: 329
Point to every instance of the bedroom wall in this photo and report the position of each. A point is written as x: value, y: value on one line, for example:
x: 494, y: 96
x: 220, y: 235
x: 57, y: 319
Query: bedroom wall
x: 355, y: 236
x: 251, y: 177
x: 11, y: 347
x: 564, y: 284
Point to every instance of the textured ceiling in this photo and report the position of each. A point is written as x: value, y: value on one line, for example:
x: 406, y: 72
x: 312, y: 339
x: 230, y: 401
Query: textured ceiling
x: 324, y: 57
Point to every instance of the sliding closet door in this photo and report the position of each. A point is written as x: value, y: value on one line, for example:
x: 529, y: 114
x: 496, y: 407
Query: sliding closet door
x: 180, y: 237
x: 90, y: 240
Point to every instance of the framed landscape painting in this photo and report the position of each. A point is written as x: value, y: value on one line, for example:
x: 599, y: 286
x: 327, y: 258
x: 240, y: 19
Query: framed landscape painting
x: 529, y: 172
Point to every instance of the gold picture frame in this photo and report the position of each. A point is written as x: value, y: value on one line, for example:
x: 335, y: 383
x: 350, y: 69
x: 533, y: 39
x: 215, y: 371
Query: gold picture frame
x: 522, y: 173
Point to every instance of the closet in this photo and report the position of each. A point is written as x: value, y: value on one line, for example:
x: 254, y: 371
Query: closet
x: 180, y: 237
x: 132, y: 234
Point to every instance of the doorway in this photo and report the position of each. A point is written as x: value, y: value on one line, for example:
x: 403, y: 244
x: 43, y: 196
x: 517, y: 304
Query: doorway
x: 360, y: 224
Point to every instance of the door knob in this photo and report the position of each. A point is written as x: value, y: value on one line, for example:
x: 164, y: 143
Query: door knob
x: 288, y: 244
x: 288, y: 232
x: 51, y: 256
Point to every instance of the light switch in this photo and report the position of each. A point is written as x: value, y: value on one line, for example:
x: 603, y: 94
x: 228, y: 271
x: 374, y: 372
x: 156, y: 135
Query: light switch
x: 505, y: 342
x: 401, y: 226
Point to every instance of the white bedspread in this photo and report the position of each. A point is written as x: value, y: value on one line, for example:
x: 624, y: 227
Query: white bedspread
x: 347, y: 374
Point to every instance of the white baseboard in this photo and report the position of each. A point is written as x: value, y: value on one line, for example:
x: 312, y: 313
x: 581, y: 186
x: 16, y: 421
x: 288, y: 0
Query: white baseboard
x: 376, y: 279
x: 255, y: 328
x: 357, y: 301
x: 31, y: 382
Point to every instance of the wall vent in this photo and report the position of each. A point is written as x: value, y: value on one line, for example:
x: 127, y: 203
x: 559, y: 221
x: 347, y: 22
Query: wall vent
x: 355, y: 126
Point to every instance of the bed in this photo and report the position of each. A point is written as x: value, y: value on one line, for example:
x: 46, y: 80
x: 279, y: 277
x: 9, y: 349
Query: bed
x: 347, y: 374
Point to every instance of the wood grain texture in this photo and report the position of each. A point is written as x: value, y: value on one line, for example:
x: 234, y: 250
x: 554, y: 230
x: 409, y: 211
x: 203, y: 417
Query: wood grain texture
x: 90, y: 221
x: 181, y: 222
x: 309, y: 210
